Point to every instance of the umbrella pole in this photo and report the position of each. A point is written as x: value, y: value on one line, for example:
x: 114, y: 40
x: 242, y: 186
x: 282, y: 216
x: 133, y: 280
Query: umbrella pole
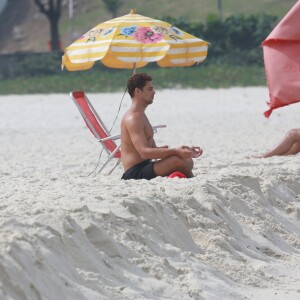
x: 134, y: 69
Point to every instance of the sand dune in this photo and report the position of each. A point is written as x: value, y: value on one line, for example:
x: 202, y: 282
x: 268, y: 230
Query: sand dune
x: 232, y: 232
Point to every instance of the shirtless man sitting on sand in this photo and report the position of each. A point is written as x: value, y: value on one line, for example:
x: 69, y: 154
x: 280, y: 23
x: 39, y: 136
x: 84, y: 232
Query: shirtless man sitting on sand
x: 138, y: 146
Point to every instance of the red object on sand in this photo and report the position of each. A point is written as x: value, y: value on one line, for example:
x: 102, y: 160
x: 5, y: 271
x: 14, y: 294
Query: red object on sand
x: 282, y: 61
x: 176, y: 174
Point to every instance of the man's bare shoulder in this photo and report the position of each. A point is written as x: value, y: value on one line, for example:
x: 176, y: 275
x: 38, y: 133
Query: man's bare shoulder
x: 131, y: 118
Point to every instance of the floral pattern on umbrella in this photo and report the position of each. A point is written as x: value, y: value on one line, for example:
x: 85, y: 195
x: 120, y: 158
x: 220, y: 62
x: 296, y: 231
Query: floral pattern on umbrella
x: 146, y: 36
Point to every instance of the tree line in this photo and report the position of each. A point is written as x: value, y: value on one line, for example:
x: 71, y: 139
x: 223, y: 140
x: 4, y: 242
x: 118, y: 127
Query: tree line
x: 237, y: 36
x: 235, y: 39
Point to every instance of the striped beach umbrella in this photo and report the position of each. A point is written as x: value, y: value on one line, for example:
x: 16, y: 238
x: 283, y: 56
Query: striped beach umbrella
x: 132, y: 41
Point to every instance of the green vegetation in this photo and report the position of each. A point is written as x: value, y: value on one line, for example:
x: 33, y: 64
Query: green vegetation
x: 234, y: 59
x: 101, y: 79
x: 90, y: 13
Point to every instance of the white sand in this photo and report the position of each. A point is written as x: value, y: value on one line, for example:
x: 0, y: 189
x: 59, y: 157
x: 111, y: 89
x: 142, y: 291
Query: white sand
x: 232, y: 232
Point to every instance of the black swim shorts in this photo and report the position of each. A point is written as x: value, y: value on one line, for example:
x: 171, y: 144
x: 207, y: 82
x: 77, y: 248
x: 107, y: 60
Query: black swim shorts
x: 143, y: 170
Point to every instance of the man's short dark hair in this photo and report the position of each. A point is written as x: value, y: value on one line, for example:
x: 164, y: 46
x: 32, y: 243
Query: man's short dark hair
x: 137, y: 81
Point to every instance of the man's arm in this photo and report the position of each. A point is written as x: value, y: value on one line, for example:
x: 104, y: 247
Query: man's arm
x: 155, y: 146
x: 136, y: 130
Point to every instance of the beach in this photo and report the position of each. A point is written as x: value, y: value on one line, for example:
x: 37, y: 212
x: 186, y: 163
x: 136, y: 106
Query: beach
x: 231, y: 232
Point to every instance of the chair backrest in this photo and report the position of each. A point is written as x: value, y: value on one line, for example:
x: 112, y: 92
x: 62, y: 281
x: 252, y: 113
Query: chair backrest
x: 93, y: 121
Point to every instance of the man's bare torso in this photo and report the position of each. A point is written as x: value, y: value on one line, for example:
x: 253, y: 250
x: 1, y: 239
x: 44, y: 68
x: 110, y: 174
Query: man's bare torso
x: 130, y: 155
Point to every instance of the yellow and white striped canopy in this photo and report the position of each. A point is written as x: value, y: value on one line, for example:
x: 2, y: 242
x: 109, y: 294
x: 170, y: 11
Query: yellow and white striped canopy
x: 134, y: 40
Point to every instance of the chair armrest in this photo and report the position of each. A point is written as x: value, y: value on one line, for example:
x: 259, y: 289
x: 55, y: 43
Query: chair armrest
x: 158, y: 126
x: 112, y: 137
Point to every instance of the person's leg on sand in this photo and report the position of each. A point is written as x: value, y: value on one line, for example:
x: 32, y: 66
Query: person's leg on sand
x: 295, y: 149
x: 289, y: 145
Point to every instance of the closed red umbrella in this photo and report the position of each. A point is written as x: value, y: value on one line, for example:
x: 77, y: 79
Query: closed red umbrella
x: 282, y: 61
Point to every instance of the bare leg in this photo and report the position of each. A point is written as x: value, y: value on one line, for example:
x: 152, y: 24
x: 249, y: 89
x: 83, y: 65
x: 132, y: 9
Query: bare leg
x: 171, y: 164
x: 287, y: 146
x: 295, y: 149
